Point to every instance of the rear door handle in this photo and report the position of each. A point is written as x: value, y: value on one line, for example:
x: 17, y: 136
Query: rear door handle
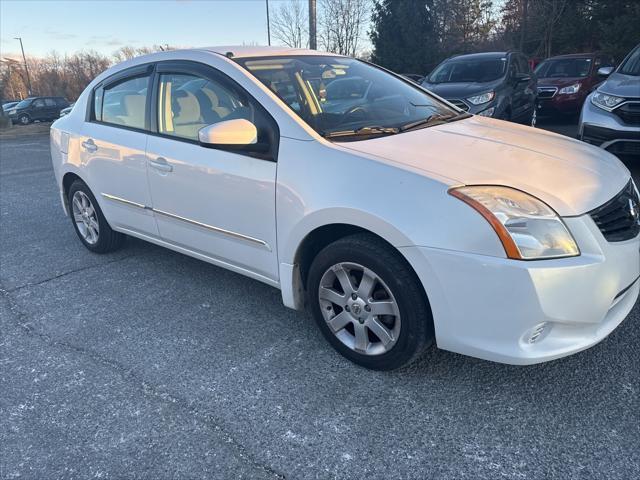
x: 161, y: 164
x: 89, y: 145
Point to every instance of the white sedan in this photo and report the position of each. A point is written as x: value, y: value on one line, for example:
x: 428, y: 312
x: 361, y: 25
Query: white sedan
x: 397, y: 219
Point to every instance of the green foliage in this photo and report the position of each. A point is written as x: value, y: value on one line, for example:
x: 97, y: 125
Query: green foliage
x: 404, y: 35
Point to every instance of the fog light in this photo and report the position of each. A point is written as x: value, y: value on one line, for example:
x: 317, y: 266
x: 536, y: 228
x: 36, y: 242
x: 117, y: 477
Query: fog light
x: 488, y: 112
x: 537, y: 331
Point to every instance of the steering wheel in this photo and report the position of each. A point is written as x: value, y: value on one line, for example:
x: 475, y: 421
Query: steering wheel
x: 355, y: 113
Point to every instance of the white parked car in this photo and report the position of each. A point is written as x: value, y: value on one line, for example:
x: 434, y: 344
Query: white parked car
x: 397, y: 219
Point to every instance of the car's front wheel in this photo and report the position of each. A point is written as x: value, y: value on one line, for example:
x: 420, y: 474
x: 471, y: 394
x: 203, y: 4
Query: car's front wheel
x: 369, y: 303
x: 24, y: 119
x: 89, y: 222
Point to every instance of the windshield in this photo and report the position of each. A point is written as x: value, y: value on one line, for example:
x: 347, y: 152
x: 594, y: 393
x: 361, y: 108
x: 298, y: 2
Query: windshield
x: 24, y: 103
x: 631, y: 65
x: 338, y: 94
x: 564, y: 68
x: 467, y: 70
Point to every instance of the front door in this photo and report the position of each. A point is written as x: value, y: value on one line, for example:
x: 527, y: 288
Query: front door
x: 217, y: 203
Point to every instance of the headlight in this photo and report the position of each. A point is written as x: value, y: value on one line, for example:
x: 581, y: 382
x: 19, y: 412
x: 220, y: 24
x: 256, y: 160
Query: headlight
x: 606, y: 102
x: 483, y: 98
x: 570, y: 89
x: 488, y: 112
x: 527, y: 227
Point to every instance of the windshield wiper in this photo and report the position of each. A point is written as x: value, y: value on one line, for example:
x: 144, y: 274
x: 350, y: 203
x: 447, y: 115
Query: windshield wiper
x: 372, y: 130
x: 435, y: 119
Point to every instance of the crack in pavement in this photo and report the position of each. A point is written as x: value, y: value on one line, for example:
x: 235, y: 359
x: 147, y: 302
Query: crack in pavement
x: 148, y: 388
x: 64, y: 274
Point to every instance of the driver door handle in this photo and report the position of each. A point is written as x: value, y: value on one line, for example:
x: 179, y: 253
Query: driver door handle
x: 161, y: 165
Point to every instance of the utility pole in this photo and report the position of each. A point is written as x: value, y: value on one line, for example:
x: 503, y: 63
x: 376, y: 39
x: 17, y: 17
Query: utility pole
x: 268, y: 25
x: 26, y: 69
x: 313, y: 44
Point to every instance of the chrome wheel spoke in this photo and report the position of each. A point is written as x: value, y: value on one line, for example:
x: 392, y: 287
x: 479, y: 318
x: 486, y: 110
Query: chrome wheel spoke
x: 362, y: 338
x: 380, y: 331
x: 365, y: 289
x: 340, y: 321
x: 332, y: 296
x: 345, y: 281
x: 383, y: 308
x: 77, y: 202
x: 93, y: 223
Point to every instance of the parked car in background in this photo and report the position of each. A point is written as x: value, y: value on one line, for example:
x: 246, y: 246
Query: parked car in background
x: 610, y: 117
x: 414, y: 77
x: 37, y: 108
x: 400, y: 221
x: 496, y: 84
x: 8, y: 105
x: 566, y: 80
x: 66, y: 111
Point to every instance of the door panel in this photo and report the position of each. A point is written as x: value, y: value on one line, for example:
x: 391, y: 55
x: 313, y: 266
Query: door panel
x: 116, y: 165
x: 218, y: 203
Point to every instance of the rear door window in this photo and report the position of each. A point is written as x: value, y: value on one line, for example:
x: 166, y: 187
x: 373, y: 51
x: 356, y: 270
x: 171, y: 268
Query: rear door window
x: 123, y: 103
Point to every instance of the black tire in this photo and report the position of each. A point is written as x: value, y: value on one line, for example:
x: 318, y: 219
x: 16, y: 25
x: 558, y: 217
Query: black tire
x: 24, y: 119
x: 416, y: 332
x: 108, y: 239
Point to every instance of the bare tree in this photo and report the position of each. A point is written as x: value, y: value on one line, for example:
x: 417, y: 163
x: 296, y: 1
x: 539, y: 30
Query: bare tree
x: 290, y: 24
x: 342, y: 24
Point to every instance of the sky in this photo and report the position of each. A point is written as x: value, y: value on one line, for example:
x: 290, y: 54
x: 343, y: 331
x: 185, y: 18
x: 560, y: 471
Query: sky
x: 106, y: 25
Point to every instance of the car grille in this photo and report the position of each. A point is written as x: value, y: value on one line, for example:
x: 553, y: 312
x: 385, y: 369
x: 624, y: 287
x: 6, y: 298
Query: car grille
x: 619, y: 218
x: 547, y: 92
x: 459, y: 103
x: 629, y: 113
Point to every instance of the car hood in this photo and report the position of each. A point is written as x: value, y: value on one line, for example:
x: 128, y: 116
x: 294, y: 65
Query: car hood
x: 458, y: 89
x: 559, y: 82
x: 621, y: 85
x: 570, y: 176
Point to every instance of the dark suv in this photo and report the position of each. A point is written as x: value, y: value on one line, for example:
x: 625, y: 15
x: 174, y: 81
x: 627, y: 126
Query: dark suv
x: 37, y: 108
x: 494, y: 84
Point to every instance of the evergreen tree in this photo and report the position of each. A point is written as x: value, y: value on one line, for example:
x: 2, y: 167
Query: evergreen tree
x: 404, y: 35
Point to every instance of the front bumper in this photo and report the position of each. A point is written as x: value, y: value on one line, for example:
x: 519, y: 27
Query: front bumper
x: 526, y: 312
x: 561, y: 103
x: 607, y: 130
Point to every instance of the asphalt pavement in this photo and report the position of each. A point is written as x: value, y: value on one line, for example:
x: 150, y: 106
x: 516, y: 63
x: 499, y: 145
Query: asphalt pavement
x: 148, y: 364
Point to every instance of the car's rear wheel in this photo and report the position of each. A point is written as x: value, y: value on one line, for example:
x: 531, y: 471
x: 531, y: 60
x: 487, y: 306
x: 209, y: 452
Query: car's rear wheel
x: 89, y: 222
x: 369, y: 303
x: 24, y: 119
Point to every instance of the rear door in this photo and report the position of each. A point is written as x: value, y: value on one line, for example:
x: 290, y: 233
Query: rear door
x: 50, y: 108
x: 114, y: 150
x: 37, y: 110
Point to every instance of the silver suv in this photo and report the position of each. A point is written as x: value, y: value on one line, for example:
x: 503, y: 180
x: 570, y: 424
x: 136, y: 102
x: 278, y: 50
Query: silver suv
x: 610, y: 117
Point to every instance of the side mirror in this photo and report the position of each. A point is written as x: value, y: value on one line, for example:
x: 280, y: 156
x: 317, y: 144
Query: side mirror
x: 605, y: 71
x: 230, y: 133
x: 522, y: 77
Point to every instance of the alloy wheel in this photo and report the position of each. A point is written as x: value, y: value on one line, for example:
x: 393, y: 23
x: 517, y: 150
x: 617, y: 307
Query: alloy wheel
x: 85, y: 217
x: 359, y: 308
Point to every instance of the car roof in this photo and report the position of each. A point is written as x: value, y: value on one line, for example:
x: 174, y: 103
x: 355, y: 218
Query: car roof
x: 473, y: 56
x: 575, y: 55
x: 243, y: 51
